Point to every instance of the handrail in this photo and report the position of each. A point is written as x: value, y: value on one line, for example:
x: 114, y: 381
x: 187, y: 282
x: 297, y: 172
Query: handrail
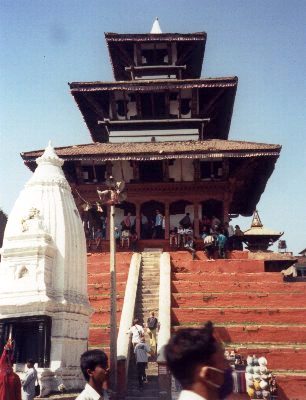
x: 164, y: 313
x: 127, y: 315
x: 126, y: 321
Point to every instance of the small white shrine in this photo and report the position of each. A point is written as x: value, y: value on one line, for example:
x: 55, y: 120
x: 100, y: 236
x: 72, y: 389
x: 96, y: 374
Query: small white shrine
x: 44, y: 304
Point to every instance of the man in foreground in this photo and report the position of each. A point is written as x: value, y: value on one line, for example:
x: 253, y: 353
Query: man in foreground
x: 196, y: 360
x: 94, y: 366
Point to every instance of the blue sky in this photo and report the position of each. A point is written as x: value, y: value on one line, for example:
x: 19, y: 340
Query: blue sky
x: 45, y: 44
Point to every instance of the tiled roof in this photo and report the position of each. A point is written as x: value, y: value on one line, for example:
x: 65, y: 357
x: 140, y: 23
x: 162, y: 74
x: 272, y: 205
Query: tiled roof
x: 162, y: 150
x: 229, y: 81
x: 133, y: 37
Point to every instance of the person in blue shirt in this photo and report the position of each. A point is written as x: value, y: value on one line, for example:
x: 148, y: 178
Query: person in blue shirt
x: 221, y: 242
x: 158, y: 227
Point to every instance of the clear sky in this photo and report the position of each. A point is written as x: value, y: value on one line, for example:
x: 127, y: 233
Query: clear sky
x: 45, y: 44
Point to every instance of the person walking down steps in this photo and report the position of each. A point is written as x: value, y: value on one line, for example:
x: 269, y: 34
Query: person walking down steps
x: 141, y: 351
x: 152, y: 325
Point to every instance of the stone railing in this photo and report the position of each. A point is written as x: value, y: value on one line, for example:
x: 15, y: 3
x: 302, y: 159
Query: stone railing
x: 126, y: 321
x: 164, y: 333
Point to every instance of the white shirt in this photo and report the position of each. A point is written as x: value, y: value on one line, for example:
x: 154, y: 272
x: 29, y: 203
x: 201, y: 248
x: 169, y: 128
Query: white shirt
x: 136, y: 330
x: 89, y: 393
x: 189, y: 395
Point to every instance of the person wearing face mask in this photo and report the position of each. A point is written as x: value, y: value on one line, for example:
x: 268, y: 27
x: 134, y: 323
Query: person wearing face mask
x: 196, y: 360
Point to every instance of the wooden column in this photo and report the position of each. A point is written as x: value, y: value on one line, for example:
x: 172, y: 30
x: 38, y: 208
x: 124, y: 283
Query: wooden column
x: 167, y: 221
x: 138, y: 220
x: 196, y: 226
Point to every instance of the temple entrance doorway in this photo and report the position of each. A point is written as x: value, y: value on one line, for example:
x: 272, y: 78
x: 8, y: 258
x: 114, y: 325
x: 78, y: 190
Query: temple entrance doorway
x: 178, y: 210
x: 32, y: 339
x: 148, y: 217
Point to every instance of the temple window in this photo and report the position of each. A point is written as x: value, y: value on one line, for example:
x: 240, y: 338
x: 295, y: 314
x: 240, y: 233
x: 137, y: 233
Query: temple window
x: 211, y: 170
x: 154, y: 54
x: 151, y: 171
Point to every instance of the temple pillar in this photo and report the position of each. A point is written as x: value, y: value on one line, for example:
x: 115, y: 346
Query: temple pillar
x: 167, y: 221
x: 196, y: 224
x: 138, y: 220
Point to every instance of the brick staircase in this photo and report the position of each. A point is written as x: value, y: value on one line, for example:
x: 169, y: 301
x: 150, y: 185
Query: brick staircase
x: 254, y: 312
x: 147, y: 300
x: 99, y: 294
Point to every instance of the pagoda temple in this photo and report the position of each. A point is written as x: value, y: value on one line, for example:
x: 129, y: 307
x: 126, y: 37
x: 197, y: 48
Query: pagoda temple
x: 163, y: 129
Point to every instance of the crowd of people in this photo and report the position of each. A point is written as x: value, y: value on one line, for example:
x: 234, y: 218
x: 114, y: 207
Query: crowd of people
x: 218, y: 237
x: 197, y: 360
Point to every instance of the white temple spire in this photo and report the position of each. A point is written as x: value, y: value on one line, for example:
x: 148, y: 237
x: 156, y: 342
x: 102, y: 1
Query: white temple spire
x: 156, y: 27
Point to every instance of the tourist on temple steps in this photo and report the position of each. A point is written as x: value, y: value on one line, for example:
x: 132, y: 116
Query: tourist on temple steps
x: 94, y: 366
x: 215, y: 223
x: 98, y: 238
x: 158, y: 226
x: 189, y: 245
x: 141, y: 351
x: 209, y: 246
x: 237, y: 240
x: 126, y: 223
x: 229, y: 233
x: 181, y: 232
x: 10, y: 385
x: 152, y: 326
x: 144, y: 227
x: 173, y: 238
x: 133, y: 239
x: 221, y: 243
x: 186, y: 221
x: 137, y: 332
x: 196, y: 359
x: 28, y: 382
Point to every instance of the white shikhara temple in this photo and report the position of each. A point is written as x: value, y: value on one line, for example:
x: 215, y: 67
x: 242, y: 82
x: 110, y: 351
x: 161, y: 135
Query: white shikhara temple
x: 44, y: 305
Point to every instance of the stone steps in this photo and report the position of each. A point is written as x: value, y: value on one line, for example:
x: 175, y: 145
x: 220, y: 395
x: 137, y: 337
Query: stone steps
x: 261, y: 334
x: 222, y: 266
x: 230, y: 277
x: 147, y: 300
x: 213, y: 299
x: 186, y: 286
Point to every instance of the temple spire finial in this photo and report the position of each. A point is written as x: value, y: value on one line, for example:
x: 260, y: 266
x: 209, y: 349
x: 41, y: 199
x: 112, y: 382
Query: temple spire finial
x: 156, y: 27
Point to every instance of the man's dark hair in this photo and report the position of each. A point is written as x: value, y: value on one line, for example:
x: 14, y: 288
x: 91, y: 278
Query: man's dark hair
x: 90, y: 359
x: 30, y: 361
x: 187, y: 349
